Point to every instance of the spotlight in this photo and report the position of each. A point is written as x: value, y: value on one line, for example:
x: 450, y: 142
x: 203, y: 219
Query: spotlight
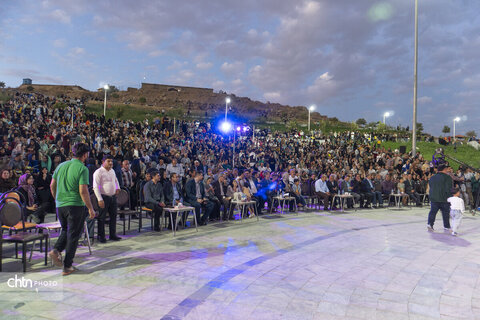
x: 226, y: 126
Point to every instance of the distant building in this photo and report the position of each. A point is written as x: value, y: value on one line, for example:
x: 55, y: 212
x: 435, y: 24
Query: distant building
x: 27, y: 81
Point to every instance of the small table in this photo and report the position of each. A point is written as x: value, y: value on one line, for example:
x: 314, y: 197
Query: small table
x: 343, y: 199
x: 242, y: 205
x: 179, y: 211
x: 398, y: 200
x: 281, y: 201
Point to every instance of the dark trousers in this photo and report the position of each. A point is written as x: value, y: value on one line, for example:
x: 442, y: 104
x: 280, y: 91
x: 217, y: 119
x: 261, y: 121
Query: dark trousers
x: 270, y: 196
x: 476, y: 198
x: 261, y: 202
x: 111, y: 209
x: 356, y: 199
x: 445, y: 208
x: 215, y: 214
x: 40, y: 213
x: 377, y: 198
x: 46, y: 197
x: 208, y: 207
x: 157, y: 212
x: 325, y: 197
x: 226, y: 206
x: 368, y: 197
x: 71, y: 219
x: 415, y: 197
x: 197, y: 207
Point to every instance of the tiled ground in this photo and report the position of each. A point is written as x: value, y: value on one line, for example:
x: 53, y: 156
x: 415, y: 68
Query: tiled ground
x: 373, y: 264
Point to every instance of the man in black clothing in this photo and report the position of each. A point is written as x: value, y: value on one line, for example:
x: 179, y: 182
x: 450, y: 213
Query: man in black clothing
x: 220, y: 189
x: 154, y: 198
x: 357, y: 188
x: 332, y: 186
x: 410, y: 190
x: 195, y: 197
x: 440, y: 185
x: 173, y: 191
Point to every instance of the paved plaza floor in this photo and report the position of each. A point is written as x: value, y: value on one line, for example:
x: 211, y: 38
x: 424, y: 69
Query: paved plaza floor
x: 371, y: 264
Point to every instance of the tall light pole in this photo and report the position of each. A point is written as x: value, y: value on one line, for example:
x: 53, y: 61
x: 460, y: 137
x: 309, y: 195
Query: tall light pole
x: 310, y: 109
x: 227, y: 101
x: 414, y: 127
x: 455, y: 120
x: 105, y: 88
x: 385, y: 116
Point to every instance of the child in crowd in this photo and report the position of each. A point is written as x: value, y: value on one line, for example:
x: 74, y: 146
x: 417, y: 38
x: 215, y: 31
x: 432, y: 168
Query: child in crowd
x: 457, y: 207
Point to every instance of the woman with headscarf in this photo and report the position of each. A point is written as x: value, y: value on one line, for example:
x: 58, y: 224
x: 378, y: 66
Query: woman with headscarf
x: 42, y: 185
x: 32, y: 203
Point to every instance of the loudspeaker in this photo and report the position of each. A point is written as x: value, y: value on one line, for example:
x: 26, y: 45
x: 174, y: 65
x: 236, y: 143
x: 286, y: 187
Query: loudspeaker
x: 403, y: 149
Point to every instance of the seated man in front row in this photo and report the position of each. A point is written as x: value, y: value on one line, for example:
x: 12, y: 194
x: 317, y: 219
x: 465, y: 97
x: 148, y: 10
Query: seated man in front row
x: 173, y: 192
x: 154, y: 198
x: 345, y: 187
x: 195, y: 197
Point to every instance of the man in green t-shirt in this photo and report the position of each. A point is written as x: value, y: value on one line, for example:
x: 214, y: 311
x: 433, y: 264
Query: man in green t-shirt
x: 70, y: 190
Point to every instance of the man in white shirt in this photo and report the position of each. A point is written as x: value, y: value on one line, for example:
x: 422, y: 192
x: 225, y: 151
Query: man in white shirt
x: 322, y: 192
x: 106, y: 189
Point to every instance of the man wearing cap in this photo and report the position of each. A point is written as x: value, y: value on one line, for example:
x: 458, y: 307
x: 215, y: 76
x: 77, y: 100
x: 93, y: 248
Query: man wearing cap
x: 440, y: 185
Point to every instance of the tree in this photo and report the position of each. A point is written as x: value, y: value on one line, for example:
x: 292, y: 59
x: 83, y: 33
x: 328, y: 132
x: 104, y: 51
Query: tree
x: 446, y: 129
x: 471, y: 134
x: 2, y: 84
x: 120, y: 112
x: 361, y: 122
x: 419, y: 128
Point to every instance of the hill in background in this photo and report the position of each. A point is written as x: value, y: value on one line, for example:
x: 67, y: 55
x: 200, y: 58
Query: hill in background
x: 201, y: 102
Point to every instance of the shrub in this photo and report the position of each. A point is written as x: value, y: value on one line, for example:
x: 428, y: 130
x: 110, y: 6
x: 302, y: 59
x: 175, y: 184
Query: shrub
x: 142, y: 100
x: 120, y: 112
x: 60, y: 105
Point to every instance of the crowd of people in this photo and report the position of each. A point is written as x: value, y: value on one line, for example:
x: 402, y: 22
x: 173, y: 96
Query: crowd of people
x: 162, y: 163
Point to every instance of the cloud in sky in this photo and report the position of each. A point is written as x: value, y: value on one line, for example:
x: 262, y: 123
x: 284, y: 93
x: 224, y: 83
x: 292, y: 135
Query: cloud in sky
x: 352, y: 59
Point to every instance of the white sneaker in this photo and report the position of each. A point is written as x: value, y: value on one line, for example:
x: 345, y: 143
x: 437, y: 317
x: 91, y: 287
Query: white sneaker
x: 429, y: 227
x: 447, y: 229
x: 454, y: 234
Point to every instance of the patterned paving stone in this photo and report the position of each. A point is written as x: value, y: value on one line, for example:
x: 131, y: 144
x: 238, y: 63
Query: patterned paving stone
x: 372, y: 264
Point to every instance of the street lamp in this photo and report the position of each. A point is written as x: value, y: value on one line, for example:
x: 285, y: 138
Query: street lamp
x: 227, y: 101
x: 105, y: 88
x: 457, y: 119
x: 415, y: 70
x: 385, y: 115
x: 312, y: 107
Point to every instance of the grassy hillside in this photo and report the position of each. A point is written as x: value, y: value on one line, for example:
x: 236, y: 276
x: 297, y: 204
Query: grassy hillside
x: 464, y: 153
